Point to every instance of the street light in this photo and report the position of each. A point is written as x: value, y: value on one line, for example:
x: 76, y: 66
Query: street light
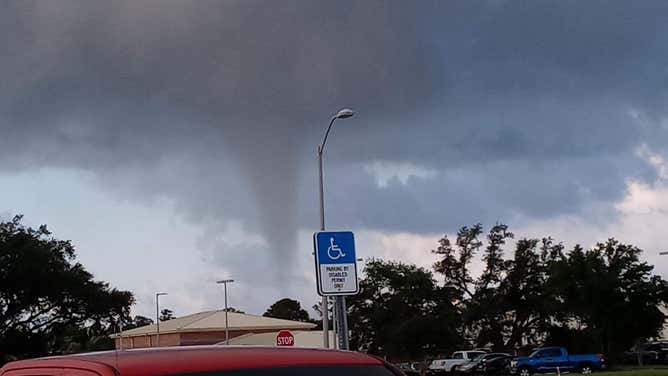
x: 224, y: 282
x: 664, y: 253
x: 343, y: 114
x: 157, y: 317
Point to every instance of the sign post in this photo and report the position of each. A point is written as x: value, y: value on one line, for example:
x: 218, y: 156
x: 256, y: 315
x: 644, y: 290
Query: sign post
x: 336, y: 264
x: 336, y: 270
x: 285, y: 338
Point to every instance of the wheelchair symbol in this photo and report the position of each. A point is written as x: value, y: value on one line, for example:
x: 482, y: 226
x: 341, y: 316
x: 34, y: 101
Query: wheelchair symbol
x: 334, y: 252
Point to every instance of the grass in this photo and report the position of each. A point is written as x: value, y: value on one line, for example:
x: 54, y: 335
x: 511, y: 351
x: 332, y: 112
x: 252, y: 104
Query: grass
x: 639, y: 372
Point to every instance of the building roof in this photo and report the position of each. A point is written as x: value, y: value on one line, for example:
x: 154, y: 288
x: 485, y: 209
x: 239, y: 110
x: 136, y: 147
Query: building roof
x: 211, y: 321
x: 173, y: 360
x: 303, y: 338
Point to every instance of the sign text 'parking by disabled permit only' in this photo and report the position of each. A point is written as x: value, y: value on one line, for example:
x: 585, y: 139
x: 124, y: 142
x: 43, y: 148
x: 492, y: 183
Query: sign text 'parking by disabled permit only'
x: 335, y: 263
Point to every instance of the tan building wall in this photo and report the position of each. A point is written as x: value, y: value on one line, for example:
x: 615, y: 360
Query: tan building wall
x: 205, y: 338
x: 138, y: 342
x: 172, y: 339
x: 182, y: 339
x: 143, y: 341
x: 211, y: 338
x: 127, y: 343
x: 204, y: 328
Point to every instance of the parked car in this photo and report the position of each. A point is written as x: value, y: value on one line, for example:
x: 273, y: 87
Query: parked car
x: 557, y: 359
x: 483, y: 349
x: 207, y: 361
x: 450, y: 365
x: 487, y: 364
x: 652, y: 353
x: 409, y: 368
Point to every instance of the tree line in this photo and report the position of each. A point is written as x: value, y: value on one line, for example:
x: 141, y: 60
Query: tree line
x: 530, y: 292
x: 603, y: 299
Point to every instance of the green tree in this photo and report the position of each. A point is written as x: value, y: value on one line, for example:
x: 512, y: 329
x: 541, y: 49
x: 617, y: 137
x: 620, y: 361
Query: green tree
x: 494, y: 262
x: 455, y: 260
x: 166, y: 314
x: 232, y: 309
x: 610, y: 295
x: 604, y: 299
x: 509, y: 301
x: 287, y: 309
x: 45, y: 293
x: 484, y: 311
x: 137, y: 322
x: 75, y: 339
x: 528, y: 305
x: 401, y: 313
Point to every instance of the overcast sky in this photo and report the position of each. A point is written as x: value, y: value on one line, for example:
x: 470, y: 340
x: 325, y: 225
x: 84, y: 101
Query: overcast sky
x: 174, y: 142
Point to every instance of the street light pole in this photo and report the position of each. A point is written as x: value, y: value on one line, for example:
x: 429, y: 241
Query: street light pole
x: 343, y: 114
x: 224, y: 282
x: 157, y: 317
x: 323, y: 305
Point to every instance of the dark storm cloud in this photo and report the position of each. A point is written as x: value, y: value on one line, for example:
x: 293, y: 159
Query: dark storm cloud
x: 544, y: 78
x: 522, y: 107
x: 511, y: 191
x: 229, y: 89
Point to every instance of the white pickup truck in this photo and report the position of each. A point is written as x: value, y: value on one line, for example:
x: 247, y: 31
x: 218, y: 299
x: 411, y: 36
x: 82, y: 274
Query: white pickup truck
x: 449, y: 365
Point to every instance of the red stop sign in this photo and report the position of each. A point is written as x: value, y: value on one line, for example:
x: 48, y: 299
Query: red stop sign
x: 285, y: 338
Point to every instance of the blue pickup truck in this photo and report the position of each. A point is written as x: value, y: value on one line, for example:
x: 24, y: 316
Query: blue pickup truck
x: 556, y: 359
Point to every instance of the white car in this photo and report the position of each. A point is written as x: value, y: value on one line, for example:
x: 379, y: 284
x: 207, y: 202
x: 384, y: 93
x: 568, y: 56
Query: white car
x: 450, y: 364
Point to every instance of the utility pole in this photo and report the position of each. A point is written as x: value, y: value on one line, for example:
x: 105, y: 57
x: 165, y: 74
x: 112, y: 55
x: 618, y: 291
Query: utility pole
x: 224, y: 282
x: 157, y: 317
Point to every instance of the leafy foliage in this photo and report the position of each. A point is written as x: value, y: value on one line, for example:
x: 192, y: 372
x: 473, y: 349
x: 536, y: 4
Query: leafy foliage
x: 232, y: 309
x: 605, y: 295
x: 611, y: 293
x: 599, y: 300
x: 137, y: 322
x: 455, y: 260
x: 166, y: 314
x: 288, y: 309
x: 401, y: 313
x: 46, y: 296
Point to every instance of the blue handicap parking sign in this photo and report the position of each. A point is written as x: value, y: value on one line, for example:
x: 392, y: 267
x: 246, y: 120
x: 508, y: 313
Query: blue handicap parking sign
x: 336, y: 263
x: 336, y: 247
